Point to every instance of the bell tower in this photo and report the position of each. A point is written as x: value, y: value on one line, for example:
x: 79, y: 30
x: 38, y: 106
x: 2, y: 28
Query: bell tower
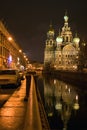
x: 49, y: 53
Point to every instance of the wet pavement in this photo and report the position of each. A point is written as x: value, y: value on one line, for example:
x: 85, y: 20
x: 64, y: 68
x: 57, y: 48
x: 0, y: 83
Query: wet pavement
x: 13, y: 112
x: 5, y: 94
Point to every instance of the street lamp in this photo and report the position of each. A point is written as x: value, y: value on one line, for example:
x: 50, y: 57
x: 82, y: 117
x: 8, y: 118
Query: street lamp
x: 20, y: 50
x: 10, y: 38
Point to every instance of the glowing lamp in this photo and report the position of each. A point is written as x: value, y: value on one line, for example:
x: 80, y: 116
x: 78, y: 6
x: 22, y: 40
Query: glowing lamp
x: 10, y: 58
x: 10, y: 38
x: 20, y: 51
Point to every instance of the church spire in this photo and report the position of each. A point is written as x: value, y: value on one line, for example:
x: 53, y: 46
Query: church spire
x: 51, y: 27
x: 50, y: 33
x: 66, y: 17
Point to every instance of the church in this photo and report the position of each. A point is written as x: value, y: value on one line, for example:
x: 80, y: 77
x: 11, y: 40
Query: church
x: 61, y: 52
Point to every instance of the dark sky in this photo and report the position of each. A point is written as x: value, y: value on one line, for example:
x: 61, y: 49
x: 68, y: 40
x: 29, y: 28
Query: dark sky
x: 28, y: 21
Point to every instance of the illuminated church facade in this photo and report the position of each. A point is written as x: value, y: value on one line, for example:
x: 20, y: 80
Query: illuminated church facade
x: 61, y: 52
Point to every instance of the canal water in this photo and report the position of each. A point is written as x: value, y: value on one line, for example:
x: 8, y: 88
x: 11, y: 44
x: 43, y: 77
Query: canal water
x: 65, y: 104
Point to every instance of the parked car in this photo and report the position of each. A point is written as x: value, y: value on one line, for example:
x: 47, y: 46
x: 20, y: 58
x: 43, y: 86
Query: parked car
x: 9, y: 77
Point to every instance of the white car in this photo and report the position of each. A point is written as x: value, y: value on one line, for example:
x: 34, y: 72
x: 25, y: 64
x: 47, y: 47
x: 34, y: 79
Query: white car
x: 9, y: 77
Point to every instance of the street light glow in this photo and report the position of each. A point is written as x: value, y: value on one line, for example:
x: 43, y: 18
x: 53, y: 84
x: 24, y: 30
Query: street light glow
x: 10, y: 38
x: 20, y: 51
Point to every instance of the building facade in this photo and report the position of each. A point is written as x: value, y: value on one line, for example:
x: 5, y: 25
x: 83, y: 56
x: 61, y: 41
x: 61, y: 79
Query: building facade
x: 9, y: 49
x: 61, y: 52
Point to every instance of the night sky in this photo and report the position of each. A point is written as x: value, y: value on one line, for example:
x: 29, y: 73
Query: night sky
x: 28, y: 21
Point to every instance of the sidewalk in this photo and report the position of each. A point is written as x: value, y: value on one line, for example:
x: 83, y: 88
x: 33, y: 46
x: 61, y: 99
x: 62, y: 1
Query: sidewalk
x: 32, y: 120
x: 20, y: 114
x: 12, y: 114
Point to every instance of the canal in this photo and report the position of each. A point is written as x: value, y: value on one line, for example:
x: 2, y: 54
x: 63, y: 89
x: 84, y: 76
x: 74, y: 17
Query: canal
x: 65, y: 104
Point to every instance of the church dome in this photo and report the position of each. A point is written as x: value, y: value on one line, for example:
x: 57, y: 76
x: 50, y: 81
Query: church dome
x: 76, y: 39
x: 66, y: 18
x: 69, y: 47
x: 59, y: 39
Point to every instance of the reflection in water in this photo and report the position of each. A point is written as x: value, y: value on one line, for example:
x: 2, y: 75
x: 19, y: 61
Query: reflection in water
x: 61, y: 100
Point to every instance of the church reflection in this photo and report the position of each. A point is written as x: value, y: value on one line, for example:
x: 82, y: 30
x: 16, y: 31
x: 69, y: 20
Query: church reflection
x: 61, y: 100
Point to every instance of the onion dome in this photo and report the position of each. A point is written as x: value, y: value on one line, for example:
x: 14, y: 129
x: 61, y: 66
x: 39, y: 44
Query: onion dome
x: 76, y: 104
x: 76, y: 39
x: 59, y: 39
x: 66, y: 17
